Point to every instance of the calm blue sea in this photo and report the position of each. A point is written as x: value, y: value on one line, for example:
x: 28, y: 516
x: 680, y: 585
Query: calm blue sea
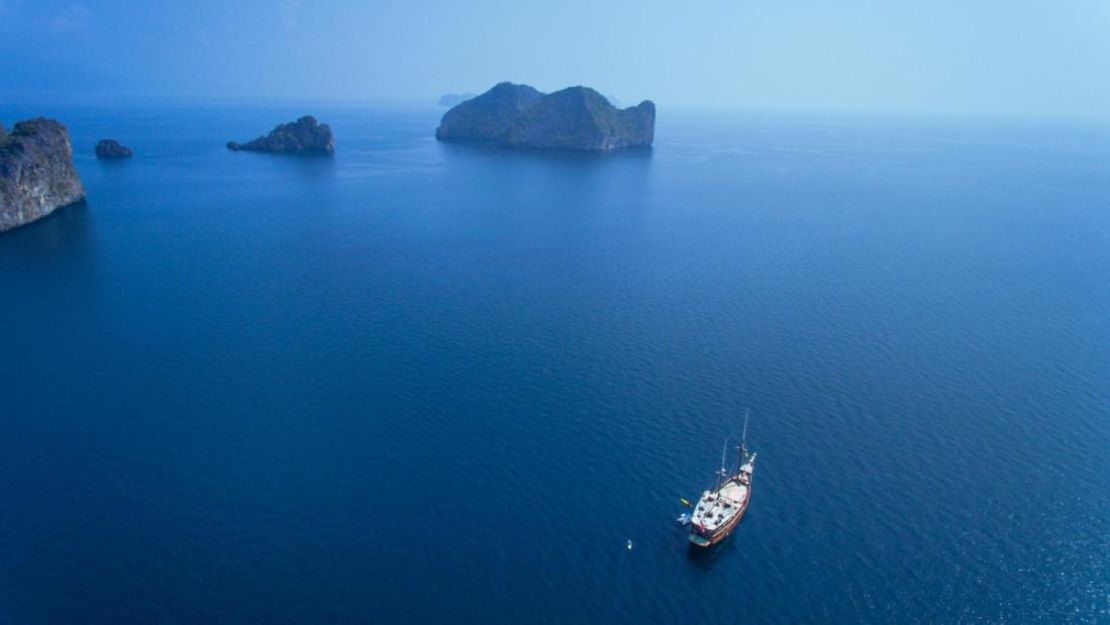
x: 431, y: 383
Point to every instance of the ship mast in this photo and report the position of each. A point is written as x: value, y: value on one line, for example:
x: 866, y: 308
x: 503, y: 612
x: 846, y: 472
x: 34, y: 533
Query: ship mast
x: 743, y: 442
x: 721, y: 474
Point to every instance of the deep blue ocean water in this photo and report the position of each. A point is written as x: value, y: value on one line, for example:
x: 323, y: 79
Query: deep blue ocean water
x: 421, y: 382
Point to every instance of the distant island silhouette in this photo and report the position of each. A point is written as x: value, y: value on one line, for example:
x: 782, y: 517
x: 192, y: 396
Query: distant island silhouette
x: 110, y: 149
x: 575, y: 118
x: 451, y: 99
x: 304, y: 136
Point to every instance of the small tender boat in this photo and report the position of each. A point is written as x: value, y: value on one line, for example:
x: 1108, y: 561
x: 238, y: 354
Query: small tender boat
x: 720, y: 509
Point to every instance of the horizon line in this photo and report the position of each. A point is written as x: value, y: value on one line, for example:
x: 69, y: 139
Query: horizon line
x: 19, y: 97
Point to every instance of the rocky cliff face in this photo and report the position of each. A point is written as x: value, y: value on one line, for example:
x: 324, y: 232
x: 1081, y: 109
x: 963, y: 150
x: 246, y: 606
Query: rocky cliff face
x: 304, y: 136
x: 488, y: 116
x: 36, y: 172
x: 579, y: 118
x: 576, y: 118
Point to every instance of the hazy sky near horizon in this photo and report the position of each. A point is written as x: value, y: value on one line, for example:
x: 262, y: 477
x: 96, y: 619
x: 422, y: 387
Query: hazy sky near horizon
x: 1029, y: 57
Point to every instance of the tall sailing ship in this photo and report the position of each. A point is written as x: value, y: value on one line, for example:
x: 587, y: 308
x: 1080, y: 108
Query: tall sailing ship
x: 720, y: 509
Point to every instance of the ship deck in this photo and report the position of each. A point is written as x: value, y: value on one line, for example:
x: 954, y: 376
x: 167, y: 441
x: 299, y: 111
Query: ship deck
x: 716, y: 510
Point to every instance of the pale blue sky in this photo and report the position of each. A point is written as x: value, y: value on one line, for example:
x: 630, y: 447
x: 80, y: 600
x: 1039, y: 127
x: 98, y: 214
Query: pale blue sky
x: 1024, y: 57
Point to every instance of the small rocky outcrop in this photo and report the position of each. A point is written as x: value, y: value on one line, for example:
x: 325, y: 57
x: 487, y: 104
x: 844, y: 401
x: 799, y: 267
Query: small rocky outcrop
x: 36, y: 172
x: 452, y: 99
x: 488, y: 116
x: 575, y: 118
x: 304, y: 136
x: 110, y: 149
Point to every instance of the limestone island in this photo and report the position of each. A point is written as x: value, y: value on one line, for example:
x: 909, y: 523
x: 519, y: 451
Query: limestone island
x: 451, y: 99
x: 110, y: 149
x: 36, y: 172
x: 304, y: 136
x: 575, y: 118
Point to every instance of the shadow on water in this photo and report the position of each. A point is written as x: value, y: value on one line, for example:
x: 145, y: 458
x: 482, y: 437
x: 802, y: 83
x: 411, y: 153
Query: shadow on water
x: 582, y: 178
x: 494, y: 150
x: 704, y: 559
x: 309, y: 165
x: 569, y: 191
x: 66, y: 228
x: 64, y: 238
x: 113, y: 164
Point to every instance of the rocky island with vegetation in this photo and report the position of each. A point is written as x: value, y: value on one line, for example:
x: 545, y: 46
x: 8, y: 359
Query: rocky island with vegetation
x: 575, y: 118
x: 487, y: 117
x: 37, y: 174
x: 304, y: 136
